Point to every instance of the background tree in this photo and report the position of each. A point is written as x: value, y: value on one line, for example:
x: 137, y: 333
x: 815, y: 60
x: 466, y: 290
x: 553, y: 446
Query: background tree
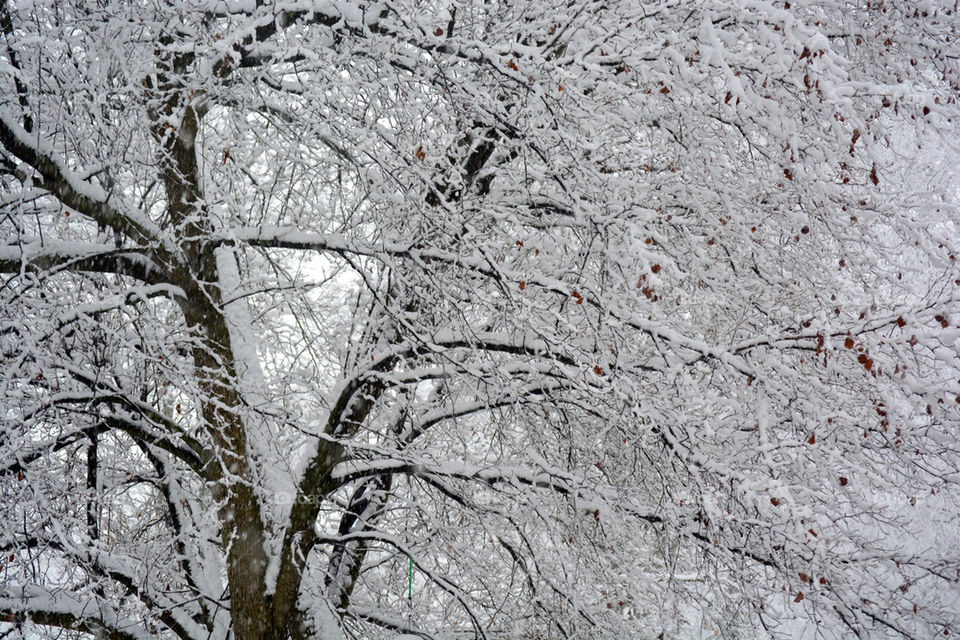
x: 560, y: 319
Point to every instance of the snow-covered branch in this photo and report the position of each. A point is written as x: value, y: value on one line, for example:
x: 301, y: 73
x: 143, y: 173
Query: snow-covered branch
x: 62, y: 611
x: 76, y: 193
x: 52, y: 257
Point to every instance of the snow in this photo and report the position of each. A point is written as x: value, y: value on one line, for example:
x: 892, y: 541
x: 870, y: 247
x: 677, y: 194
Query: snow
x: 682, y: 345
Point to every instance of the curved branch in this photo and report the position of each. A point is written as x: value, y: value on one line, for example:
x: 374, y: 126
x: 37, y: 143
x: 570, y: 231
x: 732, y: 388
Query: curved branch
x: 80, y: 195
x: 191, y: 452
x: 59, y: 611
x: 168, y: 614
x: 443, y: 583
x: 553, y: 480
x: 177, y: 510
x: 24, y: 460
x: 288, y: 238
x: 397, y: 626
x: 53, y: 257
x: 167, y: 611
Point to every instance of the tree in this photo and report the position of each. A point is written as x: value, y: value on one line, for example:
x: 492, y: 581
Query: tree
x: 489, y: 319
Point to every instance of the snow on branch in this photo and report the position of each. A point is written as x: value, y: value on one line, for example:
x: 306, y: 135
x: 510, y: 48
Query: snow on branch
x: 76, y: 193
x: 58, y: 609
x: 54, y: 256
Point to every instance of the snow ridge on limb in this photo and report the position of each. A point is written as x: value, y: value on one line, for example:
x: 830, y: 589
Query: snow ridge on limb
x: 60, y: 610
x: 76, y: 193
